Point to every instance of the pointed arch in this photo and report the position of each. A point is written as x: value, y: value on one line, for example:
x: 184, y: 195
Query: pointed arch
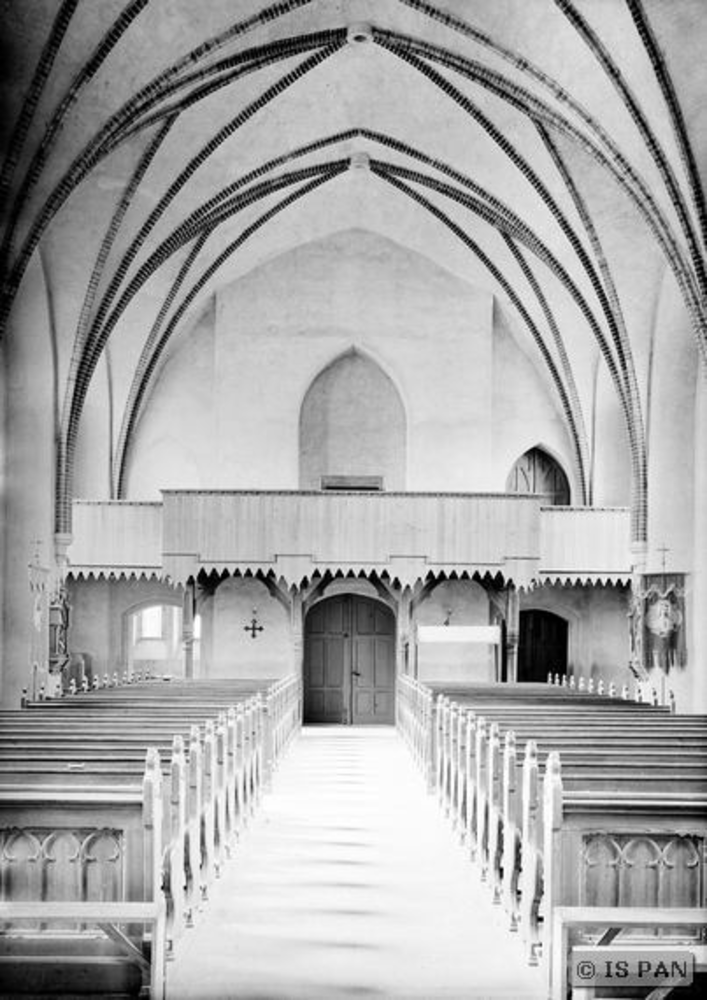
x: 537, y: 471
x: 152, y: 635
x: 352, y: 427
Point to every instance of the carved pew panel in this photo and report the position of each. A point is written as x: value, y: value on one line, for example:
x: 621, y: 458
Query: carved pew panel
x: 624, y: 850
x: 646, y: 869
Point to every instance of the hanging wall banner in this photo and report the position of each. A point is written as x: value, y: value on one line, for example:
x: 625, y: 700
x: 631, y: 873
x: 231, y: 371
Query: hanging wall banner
x: 664, y: 622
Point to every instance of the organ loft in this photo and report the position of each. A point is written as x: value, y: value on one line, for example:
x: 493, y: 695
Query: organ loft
x: 353, y: 507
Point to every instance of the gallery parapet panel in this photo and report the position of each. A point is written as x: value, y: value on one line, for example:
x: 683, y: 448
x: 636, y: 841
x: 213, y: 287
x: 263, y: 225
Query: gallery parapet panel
x: 584, y: 544
x: 296, y: 534
x: 116, y: 537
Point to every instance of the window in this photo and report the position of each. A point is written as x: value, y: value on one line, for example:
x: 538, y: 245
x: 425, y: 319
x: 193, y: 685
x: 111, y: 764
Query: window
x: 150, y: 623
x: 153, y: 640
x: 538, y: 472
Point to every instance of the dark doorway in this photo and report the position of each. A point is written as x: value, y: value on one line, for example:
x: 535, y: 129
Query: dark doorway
x: 349, y: 662
x: 542, y: 645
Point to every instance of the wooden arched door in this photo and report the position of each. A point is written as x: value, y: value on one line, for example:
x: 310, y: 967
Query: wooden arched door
x: 542, y: 645
x: 349, y: 662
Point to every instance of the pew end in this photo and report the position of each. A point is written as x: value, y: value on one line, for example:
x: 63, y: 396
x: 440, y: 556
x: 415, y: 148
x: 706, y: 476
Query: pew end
x: 617, y: 820
x: 605, y: 925
x: 106, y: 957
x: 87, y: 820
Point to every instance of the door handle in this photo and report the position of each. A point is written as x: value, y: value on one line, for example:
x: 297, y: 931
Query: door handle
x: 356, y: 673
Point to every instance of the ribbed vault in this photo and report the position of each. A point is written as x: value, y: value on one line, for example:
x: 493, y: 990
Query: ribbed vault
x: 536, y: 164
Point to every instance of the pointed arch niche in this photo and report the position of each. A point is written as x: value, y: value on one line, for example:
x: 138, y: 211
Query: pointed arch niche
x: 538, y: 472
x: 352, y: 430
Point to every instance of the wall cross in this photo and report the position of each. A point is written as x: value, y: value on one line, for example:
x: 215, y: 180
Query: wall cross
x: 254, y: 627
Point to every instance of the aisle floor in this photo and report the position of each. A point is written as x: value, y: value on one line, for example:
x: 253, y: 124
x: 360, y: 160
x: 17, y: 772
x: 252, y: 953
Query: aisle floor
x: 350, y: 884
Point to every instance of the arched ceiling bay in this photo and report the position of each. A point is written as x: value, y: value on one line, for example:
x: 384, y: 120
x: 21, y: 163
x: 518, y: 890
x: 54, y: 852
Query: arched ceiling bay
x: 548, y: 150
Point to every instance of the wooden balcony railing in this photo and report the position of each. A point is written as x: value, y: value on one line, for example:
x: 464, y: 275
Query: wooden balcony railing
x: 116, y: 536
x: 406, y: 535
x: 587, y: 543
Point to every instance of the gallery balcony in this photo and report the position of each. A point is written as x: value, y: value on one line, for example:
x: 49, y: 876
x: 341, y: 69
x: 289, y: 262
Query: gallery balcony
x: 296, y: 535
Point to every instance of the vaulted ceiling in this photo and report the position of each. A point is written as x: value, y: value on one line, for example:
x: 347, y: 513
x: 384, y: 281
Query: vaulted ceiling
x: 551, y: 151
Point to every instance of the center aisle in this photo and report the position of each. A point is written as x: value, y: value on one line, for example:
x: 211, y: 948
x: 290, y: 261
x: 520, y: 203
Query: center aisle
x: 349, y: 884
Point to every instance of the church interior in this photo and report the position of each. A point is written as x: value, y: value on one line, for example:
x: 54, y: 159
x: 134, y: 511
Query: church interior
x: 353, y: 383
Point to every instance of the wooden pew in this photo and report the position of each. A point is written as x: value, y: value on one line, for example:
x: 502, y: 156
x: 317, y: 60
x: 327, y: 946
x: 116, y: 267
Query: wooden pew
x: 630, y: 775
x: 607, y: 755
x: 107, y: 970
x: 687, y: 926
x: 485, y: 778
x: 598, y: 816
x: 76, y: 842
x: 224, y: 744
x: 229, y: 745
x: 592, y: 847
x: 456, y: 735
x: 206, y: 785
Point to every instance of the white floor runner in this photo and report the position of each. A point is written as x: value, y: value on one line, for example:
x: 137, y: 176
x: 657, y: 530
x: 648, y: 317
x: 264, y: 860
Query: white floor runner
x: 349, y: 884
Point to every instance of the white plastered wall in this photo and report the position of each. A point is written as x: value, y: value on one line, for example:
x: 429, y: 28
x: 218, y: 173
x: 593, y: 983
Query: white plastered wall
x: 677, y: 494
x: 597, y: 616
x: 226, y: 406
x: 28, y: 525
x: 98, y: 610
x: 228, y: 650
x: 525, y: 411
